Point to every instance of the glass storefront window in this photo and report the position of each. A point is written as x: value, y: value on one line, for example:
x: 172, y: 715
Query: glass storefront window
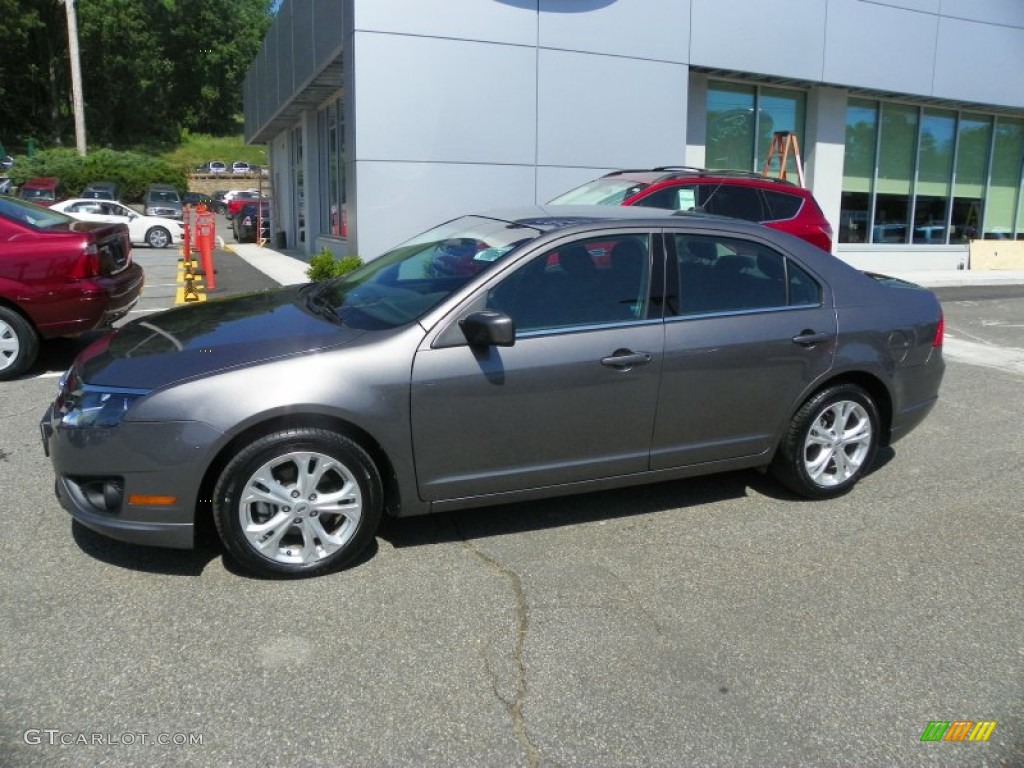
x: 332, y: 184
x: 896, y: 153
x: 858, y: 170
x: 1004, y: 184
x: 974, y: 139
x: 779, y: 110
x: 934, y: 174
x: 730, y: 132
x: 741, y: 120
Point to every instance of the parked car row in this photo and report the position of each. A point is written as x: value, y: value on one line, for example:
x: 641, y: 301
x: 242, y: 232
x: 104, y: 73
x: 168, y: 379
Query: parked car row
x: 237, y: 168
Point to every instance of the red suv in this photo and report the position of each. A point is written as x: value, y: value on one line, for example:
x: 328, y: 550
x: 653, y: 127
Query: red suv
x: 746, y: 195
x: 58, y: 277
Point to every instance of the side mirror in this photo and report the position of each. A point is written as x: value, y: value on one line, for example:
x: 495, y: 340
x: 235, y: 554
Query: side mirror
x: 488, y: 328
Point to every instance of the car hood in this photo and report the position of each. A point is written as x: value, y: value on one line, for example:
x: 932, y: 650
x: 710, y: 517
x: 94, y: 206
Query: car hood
x: 202, y: 339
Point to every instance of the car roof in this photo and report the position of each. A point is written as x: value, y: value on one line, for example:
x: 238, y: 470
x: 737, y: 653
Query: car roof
x: 554, y: 217
x: 41, y: 182
x: 689, y: 173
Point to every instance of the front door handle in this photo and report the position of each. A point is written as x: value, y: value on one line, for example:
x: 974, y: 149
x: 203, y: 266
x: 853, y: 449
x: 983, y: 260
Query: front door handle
x: 624, y: 359
x: 808, y: 338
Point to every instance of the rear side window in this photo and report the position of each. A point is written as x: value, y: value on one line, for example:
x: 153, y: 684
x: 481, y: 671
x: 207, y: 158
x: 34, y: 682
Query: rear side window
x: 721, y: 274
x: 736, y: 201
x: 781, y: 205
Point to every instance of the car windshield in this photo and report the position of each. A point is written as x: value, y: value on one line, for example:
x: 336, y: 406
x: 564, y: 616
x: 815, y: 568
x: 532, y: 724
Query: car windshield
x: 36, y: 194
x: 410, y: 280
x: 164, y: 196
x: 601, y: 192
x: 33, y: 215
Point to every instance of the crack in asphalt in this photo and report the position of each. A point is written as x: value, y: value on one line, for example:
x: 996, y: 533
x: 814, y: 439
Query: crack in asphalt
x: 514, y: 707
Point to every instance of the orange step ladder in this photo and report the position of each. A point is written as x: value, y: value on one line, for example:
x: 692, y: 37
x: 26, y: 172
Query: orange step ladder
x: 784, y: 144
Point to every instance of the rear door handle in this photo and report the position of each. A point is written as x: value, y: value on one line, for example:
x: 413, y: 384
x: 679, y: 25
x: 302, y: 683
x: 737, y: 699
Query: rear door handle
x: 808, y: 338
x: 624, y: 359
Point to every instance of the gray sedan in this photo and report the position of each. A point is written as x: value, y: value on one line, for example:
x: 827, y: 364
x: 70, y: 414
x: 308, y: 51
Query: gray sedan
x: 497, y: 357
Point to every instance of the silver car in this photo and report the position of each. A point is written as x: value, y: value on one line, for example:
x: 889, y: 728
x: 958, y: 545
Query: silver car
x: 497, y: 357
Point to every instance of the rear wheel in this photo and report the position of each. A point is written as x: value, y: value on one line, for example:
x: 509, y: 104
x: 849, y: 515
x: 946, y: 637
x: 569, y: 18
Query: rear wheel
x: 298, y: 503
x: 830, y: 444
x: 19, y: 344
x: 158, y: 237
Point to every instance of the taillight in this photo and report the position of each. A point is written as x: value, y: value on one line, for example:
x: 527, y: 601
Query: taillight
x: 940, y: 331
x: 86, y: 265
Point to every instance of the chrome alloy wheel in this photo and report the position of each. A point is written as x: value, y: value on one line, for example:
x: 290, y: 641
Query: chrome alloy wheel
x: 9, y: 345
x: 838, y: 443
x: 300, y: 507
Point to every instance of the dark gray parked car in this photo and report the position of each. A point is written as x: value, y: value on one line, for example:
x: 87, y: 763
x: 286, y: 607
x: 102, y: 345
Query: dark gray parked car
x: 499, y: 357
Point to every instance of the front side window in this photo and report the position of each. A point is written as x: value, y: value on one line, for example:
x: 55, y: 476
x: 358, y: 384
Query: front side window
x: 720, y: 274
x: 597, y: 280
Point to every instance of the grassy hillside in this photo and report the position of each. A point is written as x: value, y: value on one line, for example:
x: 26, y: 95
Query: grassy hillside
x: 198, y: 148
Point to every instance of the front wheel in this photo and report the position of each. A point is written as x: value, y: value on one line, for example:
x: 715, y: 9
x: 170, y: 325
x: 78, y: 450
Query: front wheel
x: 830, y: 444
x: 300, y: 502
x: 19, y: 344
x: 158, y: 237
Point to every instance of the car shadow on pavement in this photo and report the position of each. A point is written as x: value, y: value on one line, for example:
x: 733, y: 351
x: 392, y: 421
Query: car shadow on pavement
x: 621, y: 503
x: 170, y: 562
x: 520, y: 517
x: 56, y: 355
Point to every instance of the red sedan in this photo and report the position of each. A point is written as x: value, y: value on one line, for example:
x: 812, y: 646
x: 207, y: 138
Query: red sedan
x: 58, y: 277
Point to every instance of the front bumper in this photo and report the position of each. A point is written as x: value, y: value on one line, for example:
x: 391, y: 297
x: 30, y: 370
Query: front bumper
x: 165, y: 461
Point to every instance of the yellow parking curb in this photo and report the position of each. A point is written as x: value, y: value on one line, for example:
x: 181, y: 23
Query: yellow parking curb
x: 190, y: 285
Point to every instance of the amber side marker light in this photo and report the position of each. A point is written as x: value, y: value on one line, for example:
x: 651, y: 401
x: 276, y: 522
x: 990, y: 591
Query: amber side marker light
x: 139, y: 500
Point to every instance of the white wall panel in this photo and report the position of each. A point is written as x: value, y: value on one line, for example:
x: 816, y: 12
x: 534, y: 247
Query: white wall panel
x: 925, y: 6
x: 879, y: 46
x: 1007, y: 12
x: 428, y: 99
x: 598, y: 111
x: 775, y: 38
x: 462, y: 19
x: 647, y: 29
x: 994, y: 78
x: 399, y: 200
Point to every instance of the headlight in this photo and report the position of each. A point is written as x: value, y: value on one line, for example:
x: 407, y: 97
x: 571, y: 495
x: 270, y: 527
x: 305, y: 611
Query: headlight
x: 97, y: 406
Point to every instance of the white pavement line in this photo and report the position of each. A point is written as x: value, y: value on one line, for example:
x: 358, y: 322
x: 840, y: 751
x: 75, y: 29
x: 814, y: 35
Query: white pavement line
x: 988, y: 355
x: 152, y: 309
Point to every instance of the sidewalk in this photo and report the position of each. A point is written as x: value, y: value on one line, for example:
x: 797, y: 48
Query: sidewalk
x: 288, y: 269
x: 281, y: 267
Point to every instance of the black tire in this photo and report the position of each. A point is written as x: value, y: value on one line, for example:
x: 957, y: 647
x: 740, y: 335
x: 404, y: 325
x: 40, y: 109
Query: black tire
x: 158, y: 237
x: 309, y: 538
x: 826, y: 464
x: 19, y: 344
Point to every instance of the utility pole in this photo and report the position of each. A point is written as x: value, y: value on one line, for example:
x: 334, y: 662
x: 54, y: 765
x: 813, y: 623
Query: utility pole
x: 77, y: 101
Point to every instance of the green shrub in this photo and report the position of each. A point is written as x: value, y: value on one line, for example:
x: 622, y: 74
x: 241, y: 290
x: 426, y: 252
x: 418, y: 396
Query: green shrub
x: 131, y: 171
x: 324, y: 265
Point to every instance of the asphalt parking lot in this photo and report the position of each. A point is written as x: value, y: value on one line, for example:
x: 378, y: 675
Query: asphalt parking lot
x: 716, y: 621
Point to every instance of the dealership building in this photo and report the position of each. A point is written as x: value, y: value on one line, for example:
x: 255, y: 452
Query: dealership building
x: 385, y: 117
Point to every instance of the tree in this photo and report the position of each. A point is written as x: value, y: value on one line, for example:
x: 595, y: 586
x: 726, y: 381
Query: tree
x: 150, y: 68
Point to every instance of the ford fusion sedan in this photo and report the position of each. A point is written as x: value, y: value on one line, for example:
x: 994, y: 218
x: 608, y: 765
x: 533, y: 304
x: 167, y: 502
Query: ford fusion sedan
x: 154, y: 231
x: 497, y: 357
